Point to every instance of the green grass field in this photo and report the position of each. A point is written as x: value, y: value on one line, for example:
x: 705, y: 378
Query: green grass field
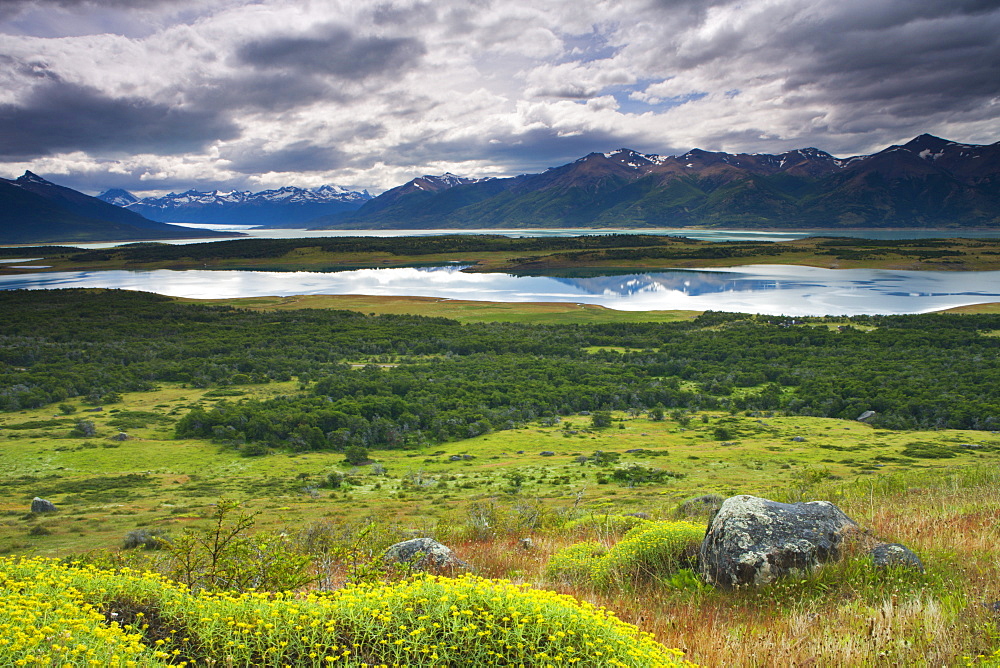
x: 105, y: 488
x: 535, y: 313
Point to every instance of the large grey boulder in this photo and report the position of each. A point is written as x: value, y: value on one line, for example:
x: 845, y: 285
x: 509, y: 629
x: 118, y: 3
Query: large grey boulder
x: 39, y: 505
x: 754, y: 541
x: 425, y: 554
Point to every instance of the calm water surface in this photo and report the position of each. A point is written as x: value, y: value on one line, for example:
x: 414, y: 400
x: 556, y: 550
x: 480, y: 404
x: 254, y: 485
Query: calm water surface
x: 769, y: 289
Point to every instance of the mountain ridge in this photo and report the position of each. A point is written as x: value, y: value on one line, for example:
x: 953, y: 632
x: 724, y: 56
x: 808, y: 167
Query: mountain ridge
x: 34, y: 210
x: 281, y: 207
x: 926, y: 182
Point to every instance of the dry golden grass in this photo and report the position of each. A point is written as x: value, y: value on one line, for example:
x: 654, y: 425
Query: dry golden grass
x: 993, y: 307
x: 845, y: 614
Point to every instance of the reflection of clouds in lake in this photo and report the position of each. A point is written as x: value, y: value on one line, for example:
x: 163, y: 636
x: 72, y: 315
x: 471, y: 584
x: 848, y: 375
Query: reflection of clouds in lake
x: 771, y: 289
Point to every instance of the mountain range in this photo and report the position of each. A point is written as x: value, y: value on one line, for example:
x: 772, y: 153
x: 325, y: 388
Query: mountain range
x: 927, y: 182
x: 33, y: 210
x: 283, y: 207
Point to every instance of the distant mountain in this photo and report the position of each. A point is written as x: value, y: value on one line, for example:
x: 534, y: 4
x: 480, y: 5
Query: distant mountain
x: 284, y: 207
x: 33, y: 210
x: 927, y: 182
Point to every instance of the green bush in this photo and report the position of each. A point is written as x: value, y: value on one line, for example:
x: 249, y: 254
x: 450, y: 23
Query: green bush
x: 928, y: 451
x: 648, y: 552
x: 575, y: 563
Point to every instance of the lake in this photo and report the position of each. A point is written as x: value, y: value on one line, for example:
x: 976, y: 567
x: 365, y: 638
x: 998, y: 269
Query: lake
x: 767, y: 289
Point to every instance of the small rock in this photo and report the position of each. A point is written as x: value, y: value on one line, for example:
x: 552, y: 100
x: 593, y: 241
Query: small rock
x: 425, y: 554
x: 798, y: 439
x: 526, y: 543
x: 520, y: 452
x: 894, y: 555
x: 546, y: 453
x: 120, y: 436
x: 39, y: 505
x: 866, y: 416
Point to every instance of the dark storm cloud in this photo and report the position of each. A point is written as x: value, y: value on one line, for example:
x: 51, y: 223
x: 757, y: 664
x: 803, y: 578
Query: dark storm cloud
x: 59, y: 117
x: 298, y: 157
x: 10, y: 8
x: 935, y: 58
x: 263, y: 91
x: 529, y: 152
x: 333, y: 50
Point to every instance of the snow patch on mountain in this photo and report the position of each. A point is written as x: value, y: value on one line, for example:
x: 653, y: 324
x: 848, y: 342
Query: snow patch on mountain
x: 279, y: 206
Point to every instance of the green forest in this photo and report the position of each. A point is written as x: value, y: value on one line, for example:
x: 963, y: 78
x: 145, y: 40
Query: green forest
x: 396, y: 381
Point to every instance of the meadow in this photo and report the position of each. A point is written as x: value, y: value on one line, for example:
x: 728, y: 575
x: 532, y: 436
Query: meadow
x: 170, y: 547
x: 934, y: 491
x: 106, y: 487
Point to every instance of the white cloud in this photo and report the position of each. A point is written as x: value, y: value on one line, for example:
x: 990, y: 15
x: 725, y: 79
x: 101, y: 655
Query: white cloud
x: 479, y: 88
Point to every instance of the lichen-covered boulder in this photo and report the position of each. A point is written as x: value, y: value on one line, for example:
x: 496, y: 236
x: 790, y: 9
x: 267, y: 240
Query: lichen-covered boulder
x: 894, y: 555
x: 754, y: 541
x: 425, y: 554
x: 39, y: 505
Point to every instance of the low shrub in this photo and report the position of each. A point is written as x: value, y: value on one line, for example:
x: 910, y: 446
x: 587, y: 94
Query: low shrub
x: 423, y: 621
x: 928, y: 451
x: 649, y: 552
x: 575, y: 563
x: 147, y: 539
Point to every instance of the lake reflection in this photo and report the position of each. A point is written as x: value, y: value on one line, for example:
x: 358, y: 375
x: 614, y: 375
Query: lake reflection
x: 770, y: 289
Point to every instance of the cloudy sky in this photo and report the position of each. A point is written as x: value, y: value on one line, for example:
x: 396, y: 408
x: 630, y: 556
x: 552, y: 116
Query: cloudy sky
x: 157, y: 95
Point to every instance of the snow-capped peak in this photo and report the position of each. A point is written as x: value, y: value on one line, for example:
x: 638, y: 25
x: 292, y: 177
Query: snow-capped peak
x: 118, y: 197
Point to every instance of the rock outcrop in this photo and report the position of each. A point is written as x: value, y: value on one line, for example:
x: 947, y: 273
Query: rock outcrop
x: 754, y: 541
x: 425, y: 554
x: 40, y: 505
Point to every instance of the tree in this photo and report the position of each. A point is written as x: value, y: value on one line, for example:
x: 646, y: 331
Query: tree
x: 356, y: 455
x: 601, y: 419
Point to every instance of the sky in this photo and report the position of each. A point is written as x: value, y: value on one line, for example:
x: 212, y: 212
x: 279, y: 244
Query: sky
x: 166, y: 95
